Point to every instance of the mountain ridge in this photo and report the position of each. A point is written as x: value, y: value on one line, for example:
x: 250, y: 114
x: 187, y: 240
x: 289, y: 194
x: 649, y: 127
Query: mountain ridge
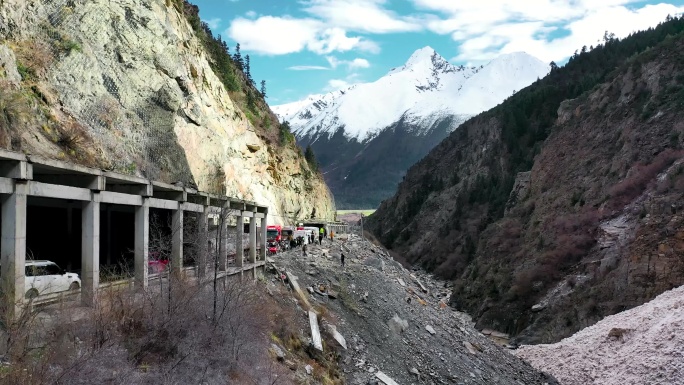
x: 413, y: 106
x: 563, y: 204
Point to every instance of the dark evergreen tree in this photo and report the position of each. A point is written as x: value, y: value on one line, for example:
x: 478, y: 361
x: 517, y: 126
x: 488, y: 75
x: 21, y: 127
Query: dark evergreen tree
x: 310, y: 158
x: 247, y: 70
x: 263, y: 89
x: 237, y: 58
x: 553, y: 66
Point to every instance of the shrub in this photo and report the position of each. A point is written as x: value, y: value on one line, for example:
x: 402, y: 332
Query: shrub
x: 632, y: 186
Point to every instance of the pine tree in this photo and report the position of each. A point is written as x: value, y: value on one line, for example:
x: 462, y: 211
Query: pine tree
x: 310, y: 158
x: 553, y: 65
x: 248, y: 73
x: 237, y: 58
x: 263, y: 89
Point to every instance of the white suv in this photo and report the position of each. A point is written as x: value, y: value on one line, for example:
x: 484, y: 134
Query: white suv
x: 45, y: 277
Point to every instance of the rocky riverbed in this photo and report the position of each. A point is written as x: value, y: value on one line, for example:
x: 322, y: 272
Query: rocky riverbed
x: 395, y: 322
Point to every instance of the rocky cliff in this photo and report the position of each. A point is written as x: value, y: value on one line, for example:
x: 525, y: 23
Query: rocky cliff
x: 128, y: 86
x: 564, y: 204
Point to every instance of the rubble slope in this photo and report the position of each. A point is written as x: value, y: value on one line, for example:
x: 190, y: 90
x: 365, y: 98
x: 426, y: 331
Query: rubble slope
x: 638, y: 346
x: 396, y: 321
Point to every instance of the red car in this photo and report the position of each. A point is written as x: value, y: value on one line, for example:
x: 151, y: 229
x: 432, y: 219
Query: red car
x: 156, y: 263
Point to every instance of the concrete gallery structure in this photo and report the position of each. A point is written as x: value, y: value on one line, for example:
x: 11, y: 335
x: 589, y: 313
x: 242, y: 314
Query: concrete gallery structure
x: 41, y: 200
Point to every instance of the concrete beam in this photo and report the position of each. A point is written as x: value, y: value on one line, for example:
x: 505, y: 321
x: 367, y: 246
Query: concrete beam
x: 59, y: 192
x: 169, y: 191
x: 16, y: 170
x: 6, y: 186
x: 164, y: 204
x: 121, y: 199
x: 259, y: 215
x: 13, y: 249
x: 12, y: 155
x: 43, y: 163
x: 247, y: 214
x: 237, y: 205
x: 144, y: 190
x: 178, y: 196
x: 90, y: 250
x: 315, y: 332
x: 91, y: 182
x: 142, y: 242
x: 192, y: 207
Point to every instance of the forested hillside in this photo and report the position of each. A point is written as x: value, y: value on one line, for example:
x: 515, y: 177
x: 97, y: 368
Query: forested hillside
x: 594, y: 134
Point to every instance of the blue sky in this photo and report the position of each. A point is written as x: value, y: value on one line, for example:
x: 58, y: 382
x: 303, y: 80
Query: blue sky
x: 303, y: 47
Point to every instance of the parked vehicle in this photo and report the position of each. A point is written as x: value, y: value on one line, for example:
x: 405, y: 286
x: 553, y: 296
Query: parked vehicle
x: 302, y: 234
x: 274, y: 233
x: 156, y: 263
x: 45, y: 277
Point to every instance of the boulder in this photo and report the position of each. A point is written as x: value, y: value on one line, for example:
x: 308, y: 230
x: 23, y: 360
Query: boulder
x: 375, y: 262
x: 397, y: 325
x: 430, y: 329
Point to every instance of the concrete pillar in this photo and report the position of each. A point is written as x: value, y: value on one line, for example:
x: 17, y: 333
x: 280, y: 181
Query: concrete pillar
x: 223, y: 241
x: 90, y: 250
x: 262, y: 241
x: 239, y: 248
x: 109, y: 234
x: 177, y: 241
x: 13, y: 249
x: 142, y: 241
x: 202, y: 243
x: 252, y: 240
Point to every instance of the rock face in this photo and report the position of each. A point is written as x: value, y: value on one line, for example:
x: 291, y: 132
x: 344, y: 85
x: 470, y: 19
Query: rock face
x: 137, y: 83
x: 546, y: 236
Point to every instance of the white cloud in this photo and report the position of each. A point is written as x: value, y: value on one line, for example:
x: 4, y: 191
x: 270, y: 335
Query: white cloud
x: 283, y: 35
x: 338, y: 84
x: 308, y: 68
x: 350, y: 64
x: 360, y: 15
x: 359, y: 63
x: 251, y: 14
x: 213, y: 23
x: 487, y: 28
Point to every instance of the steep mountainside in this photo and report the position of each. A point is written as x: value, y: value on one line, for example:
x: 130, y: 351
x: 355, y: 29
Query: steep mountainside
x: 366, y: 136
x: 564, y: 204
x: 131, y: 86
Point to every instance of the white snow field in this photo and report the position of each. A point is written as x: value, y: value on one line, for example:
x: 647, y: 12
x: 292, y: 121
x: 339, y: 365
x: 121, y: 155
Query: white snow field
x: 423, y: 90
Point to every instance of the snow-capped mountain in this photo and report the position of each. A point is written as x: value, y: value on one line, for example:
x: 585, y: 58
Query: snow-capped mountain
x: 423, y: 100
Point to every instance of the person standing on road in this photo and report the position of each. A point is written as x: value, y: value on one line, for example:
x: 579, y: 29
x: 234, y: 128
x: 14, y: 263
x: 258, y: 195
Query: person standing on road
x: 342, y: 259
x: 304, y: 249
x: 332, y: 235
x: 321, y: 234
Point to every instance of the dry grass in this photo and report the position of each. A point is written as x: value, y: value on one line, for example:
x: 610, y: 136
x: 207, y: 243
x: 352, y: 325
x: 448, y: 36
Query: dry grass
x: 153, y: 337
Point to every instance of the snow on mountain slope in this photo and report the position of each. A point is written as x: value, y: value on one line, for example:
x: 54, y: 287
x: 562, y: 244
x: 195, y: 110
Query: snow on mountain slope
x: 424, y: 90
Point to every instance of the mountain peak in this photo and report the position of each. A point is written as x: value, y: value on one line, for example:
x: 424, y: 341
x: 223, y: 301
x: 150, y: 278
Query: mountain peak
x: 425, y: 59
x: 421, y: 55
